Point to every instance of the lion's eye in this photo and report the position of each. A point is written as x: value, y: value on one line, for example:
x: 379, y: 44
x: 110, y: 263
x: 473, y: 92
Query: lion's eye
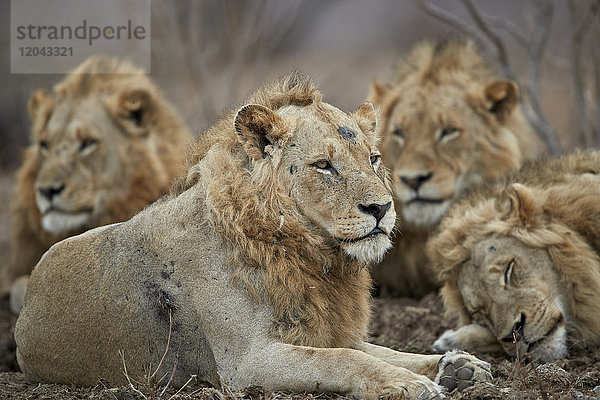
x: 43, y: 145
x: 399, y: 136
x: 508, y: 271
x: 448, y: 133
x: 375, y: 159
x: 86, y: 143
x: 325, y: 166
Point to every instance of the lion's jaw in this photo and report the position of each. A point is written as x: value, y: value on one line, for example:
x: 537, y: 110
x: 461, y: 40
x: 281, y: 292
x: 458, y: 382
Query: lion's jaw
x: 375, y: 240
x: 58, y: 221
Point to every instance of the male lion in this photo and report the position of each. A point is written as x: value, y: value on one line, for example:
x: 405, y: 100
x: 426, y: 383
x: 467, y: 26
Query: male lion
x: 520, y: 261
x: 106, y: 144
x: 254, y: 270
x: 448, y: 124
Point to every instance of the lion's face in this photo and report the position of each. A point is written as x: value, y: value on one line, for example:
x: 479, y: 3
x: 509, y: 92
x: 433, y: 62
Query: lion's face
x: 439, y: 141
x: 430, y: 153
x: 328, y: 163
x: 82, y: 151
x: 513, y: 290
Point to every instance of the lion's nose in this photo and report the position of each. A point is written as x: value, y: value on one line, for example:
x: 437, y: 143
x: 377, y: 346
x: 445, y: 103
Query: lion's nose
x: 416, y: 181
x: 50, y: 192
x: 376, y: 210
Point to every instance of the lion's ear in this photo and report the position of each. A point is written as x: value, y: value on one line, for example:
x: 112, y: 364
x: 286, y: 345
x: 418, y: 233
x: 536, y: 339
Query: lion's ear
x: 378, y: 92
x: 258, y: 127
x: 502, y: 97
x: 522, y: 202
x: 40, y: 106
x: 135, y: 108
x: 366, y: 117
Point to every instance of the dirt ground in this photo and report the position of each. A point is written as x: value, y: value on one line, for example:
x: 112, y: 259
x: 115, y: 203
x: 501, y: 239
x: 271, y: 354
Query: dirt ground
x: 402, y: 324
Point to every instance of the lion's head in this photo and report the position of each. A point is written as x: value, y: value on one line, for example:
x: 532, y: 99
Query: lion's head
x: 448, y: 123
x: 521, y: 260
x: 105, y: 144
x: 312, y: 158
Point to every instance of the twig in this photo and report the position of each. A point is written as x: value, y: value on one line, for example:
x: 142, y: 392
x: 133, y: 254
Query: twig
x: 172, y: 371
x: 167, y: 346
x: 109, y: 390
x: 122, y: 354
x: 450, y: 19
x: 543, y: 393
x: 578, y: 32
x: 492, y: 37
x: 192, y: 377
x: 483, y: 31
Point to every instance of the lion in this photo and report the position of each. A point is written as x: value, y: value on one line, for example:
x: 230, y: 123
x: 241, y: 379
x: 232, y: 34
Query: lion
x: 254, y: 269
x: 448, y: 123
x: 106, y: 143
x: 520, y: 261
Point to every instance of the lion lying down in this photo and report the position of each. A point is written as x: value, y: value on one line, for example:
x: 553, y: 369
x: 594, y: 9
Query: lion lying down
x: 257, y: 262
x: 520, y: 261
x: 106, y: 143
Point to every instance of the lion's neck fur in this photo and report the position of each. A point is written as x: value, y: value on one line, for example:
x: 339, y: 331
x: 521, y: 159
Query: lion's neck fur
x: 319, y: 296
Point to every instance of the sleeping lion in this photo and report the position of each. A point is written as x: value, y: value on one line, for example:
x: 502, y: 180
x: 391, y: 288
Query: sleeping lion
x: 106, y: 143
x: 449, y: 123
x: 520, y: 261
x: 254, y: 269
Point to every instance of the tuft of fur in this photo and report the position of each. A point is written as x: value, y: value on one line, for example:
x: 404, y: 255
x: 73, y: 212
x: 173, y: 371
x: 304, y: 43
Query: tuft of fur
x: 443, y: 85
x: 551, y: 204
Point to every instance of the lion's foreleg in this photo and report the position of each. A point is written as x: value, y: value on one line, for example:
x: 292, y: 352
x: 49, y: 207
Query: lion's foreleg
x: 279, y: 366
x: 471, y: 337
x: 453, y: 369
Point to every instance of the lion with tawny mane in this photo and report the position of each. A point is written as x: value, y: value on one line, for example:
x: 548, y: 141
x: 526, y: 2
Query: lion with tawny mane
x: 520, y: 261
x: 256, y: 267
x: 448, y: 124
x: 106, y: 144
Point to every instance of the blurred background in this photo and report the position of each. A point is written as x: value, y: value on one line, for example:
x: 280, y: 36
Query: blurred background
x: 208, y: 55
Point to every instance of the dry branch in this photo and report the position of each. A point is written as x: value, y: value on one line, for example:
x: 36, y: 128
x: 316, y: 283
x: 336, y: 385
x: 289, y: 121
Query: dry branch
x: 485, y: 29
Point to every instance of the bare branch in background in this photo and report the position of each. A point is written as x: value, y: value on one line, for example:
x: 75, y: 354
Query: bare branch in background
x: 489, y: 33
x: 220, y: 49
x: 596, y: 81
x: 581, y: 19
x: 486, y: 30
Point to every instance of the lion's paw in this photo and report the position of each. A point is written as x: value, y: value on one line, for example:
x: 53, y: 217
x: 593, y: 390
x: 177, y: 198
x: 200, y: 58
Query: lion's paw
x: 459, y: 370
x: 446, y: 342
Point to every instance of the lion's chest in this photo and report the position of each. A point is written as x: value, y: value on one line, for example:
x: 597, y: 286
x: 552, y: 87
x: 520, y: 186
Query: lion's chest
x: 332, y: 312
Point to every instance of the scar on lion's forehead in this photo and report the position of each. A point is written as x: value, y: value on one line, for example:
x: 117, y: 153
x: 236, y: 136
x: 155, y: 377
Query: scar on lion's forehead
x: 346, y: 133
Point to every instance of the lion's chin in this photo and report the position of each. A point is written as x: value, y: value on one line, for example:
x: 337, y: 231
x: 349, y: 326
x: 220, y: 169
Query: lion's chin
x: 552, y: 348
x: 424, y: 214
x: 370, y: 249
x: 60, y: 223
